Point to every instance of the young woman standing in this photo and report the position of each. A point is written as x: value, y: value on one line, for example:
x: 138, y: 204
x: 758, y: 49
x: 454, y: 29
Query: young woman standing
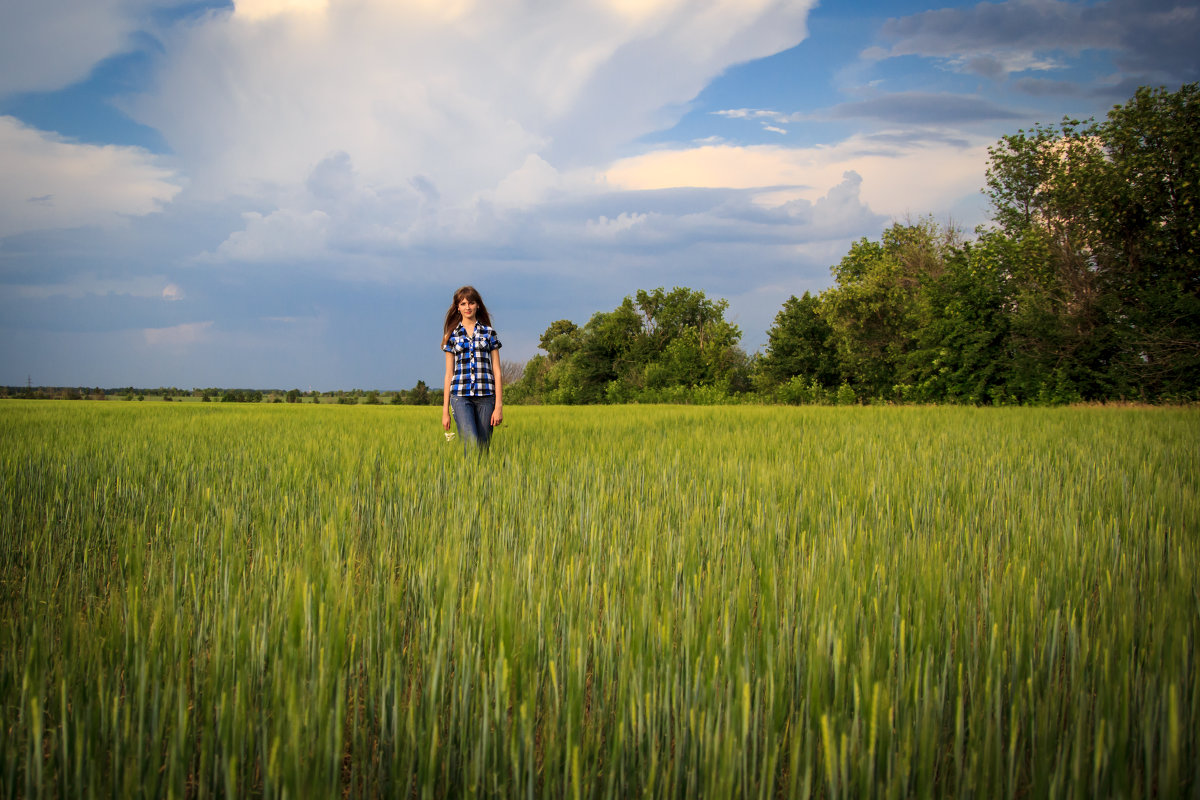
x: 472, y: 386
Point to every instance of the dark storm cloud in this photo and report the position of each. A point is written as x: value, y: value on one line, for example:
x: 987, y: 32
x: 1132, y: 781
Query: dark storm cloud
x: 1152, y: 38
x: 952, y: 32
x: 1158, y: 38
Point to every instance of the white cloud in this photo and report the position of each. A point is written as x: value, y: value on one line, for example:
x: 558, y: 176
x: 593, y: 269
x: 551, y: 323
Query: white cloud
x: 280, y: 235
x: 50, y: 182
x: 463, y: 94
x: 171, y: 292
x: 329, y: 211
x: 431, y: 122
x: 531, y: 183
x: 264, y: 9
x: 610, y: 228
x: 898, y: 179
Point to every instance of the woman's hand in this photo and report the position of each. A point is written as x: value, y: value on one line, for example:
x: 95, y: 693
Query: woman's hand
x: 445, y: 420
x: 497, y: 416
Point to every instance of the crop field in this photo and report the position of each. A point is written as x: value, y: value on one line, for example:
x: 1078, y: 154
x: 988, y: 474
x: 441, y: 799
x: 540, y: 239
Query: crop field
x: 207, y: 600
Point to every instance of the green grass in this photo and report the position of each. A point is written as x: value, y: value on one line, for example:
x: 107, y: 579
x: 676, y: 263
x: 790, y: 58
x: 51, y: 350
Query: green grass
x: 298, y: 600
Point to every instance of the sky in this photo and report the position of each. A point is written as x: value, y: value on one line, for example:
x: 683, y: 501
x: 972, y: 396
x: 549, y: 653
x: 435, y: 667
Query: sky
x: 286, y: 193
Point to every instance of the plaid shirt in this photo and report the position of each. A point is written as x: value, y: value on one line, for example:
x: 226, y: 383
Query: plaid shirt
x: 473, y: 361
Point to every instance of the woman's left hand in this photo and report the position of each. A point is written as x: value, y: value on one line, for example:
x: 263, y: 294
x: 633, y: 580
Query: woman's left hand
x: 497, y: 416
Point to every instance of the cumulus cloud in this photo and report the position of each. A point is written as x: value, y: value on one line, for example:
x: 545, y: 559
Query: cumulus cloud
x: 50, y: 182
x: 330, y: 211
x: 461, y: 93
x: 604, y: 227
x: 280, y: 235
x: 352, y: 129
x: 531, y: 183
x: 899, y: 177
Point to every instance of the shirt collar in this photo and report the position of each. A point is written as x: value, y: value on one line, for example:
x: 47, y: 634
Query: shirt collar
x: 479, y: 328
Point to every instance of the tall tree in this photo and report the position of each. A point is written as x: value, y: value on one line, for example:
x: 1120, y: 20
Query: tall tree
x: 1043, y: 185
x: 560, y: 339
x: 873, y: 309
x: 798, y: 345
x: 962, y: 346
x: 1151, y: 231
x: 686, y: 338
x: 607, y: 352
x: 1117, y: 300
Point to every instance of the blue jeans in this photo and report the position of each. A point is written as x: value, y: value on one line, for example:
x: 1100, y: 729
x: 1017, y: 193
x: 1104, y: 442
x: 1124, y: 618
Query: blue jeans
x: 474, y: 418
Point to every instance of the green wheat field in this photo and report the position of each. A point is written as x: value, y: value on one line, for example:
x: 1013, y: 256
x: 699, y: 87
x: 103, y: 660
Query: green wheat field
x: 331, y: 601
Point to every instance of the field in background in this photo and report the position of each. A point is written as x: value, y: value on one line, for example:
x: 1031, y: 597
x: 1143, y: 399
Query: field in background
x: 664, y: 601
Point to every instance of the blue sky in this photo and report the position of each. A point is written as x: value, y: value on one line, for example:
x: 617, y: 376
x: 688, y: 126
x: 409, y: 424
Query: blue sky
x: 285, y: 193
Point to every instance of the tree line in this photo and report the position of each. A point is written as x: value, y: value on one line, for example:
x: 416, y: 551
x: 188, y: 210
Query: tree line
x: 419, y: 395
x: 1085, y: 287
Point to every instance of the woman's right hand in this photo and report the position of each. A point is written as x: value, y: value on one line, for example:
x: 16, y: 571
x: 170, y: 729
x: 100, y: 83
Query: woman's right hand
x: 445, y: 420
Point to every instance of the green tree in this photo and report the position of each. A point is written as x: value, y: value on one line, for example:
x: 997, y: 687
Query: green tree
x: 1151, y: 237
x: 1116, y: 302
x: 1046, y: 178
x: 532, y: 387
x: 561, y: 339
x: 873, y: 311
x: 607, y: 352
x: 677, y: 339
x: 962, y: 345
x: 798, y: 346
x: 419, y: 395
x: 1045, y: 185
x: 686, y: 341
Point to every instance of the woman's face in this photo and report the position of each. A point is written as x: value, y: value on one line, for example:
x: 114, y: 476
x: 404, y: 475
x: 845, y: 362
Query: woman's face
x: 467, y: 307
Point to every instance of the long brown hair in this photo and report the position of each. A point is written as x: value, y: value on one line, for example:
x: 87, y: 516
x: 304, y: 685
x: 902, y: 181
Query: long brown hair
x: 454, y: 318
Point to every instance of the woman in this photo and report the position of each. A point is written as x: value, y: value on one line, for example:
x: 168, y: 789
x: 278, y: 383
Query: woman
x: 472, y: 384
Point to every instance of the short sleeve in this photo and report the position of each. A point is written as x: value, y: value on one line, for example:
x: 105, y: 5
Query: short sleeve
x: 493, y: 341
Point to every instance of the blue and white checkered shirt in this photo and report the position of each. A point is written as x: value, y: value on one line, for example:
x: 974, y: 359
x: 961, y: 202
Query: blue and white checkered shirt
x: 473, y: 360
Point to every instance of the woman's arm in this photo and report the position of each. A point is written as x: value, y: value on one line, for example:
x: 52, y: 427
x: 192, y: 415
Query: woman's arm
x: 446, y: 381
x: 498, y: 412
